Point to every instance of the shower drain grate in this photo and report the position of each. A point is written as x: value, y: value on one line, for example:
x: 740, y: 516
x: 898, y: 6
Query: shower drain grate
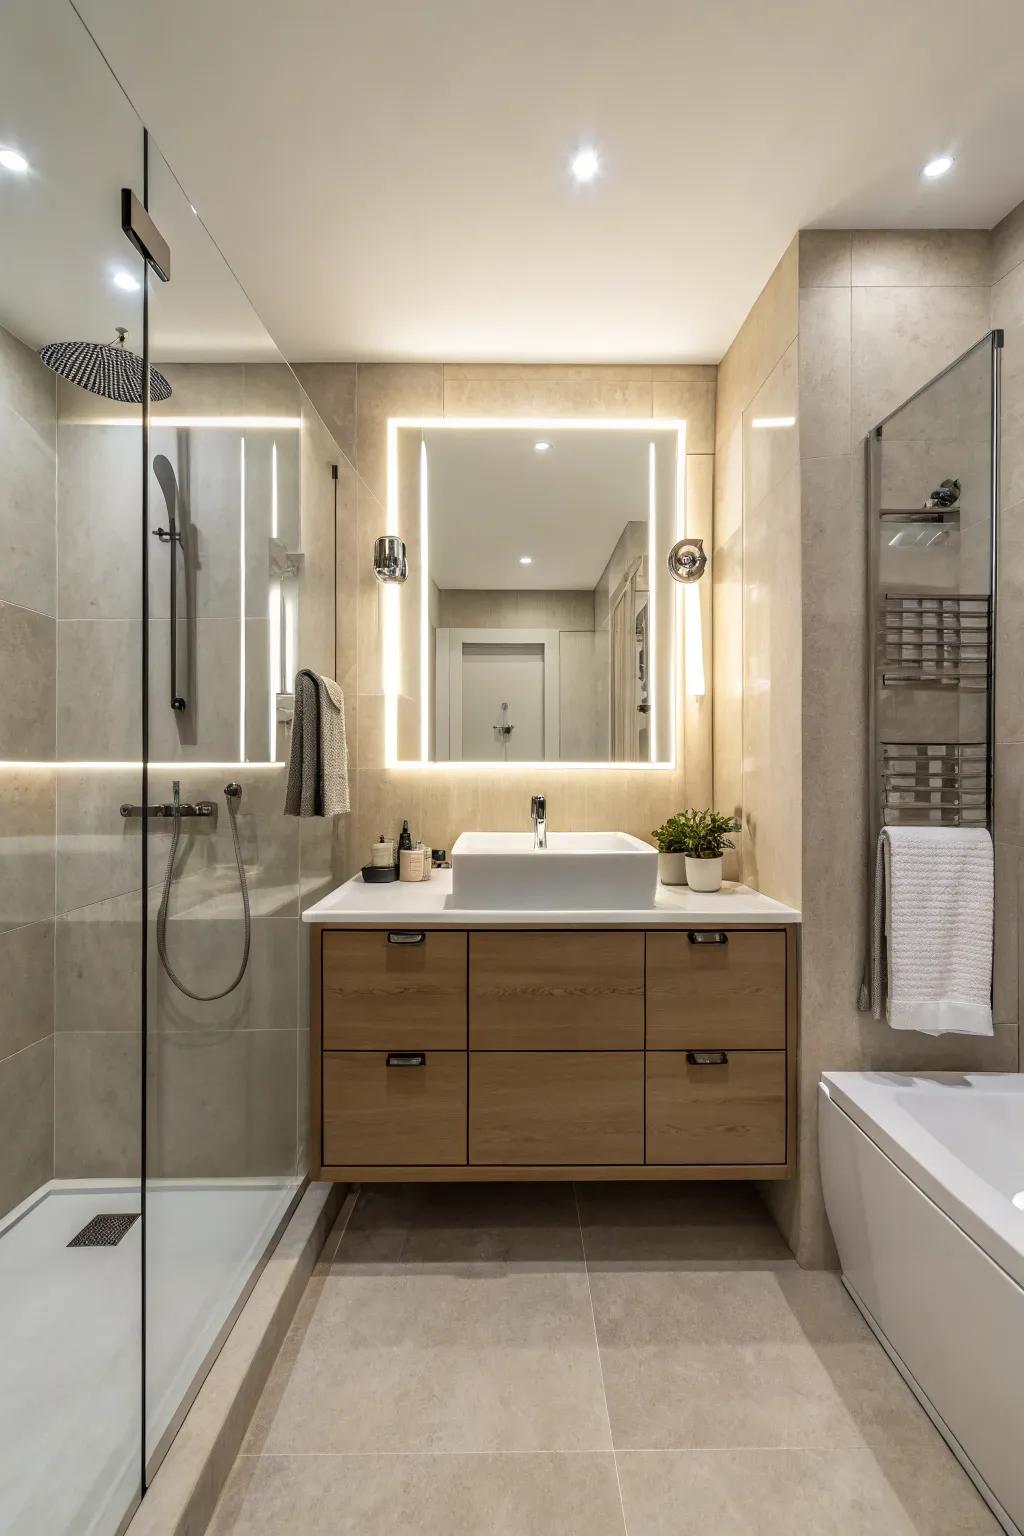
x: 104, y: 1231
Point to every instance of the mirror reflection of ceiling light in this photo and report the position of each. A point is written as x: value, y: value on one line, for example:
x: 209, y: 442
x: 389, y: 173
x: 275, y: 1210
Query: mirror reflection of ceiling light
x: 938, y: 167
x: 126, y: 281
x: 525, y: 559
x: 773, y: 421
x: 541, y: 447
x: 12, y: 161
x: 586, y: 163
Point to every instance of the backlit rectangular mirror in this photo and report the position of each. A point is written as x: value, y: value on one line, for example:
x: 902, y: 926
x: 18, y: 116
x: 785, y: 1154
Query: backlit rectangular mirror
x: 539, y: 620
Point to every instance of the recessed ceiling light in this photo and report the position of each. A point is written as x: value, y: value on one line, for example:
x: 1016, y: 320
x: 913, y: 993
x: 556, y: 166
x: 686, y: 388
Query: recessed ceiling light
x: 12, y: 161
x: 938, y: 167
x: 541, y: 447
x: 525, y: 559
x: 586, y: 163
x: 126, y: 281
x: 774, y: 421
x: 1018, y: 1200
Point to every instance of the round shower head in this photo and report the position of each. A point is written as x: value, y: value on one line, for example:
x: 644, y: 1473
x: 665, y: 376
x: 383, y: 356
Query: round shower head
x: 104, y: 369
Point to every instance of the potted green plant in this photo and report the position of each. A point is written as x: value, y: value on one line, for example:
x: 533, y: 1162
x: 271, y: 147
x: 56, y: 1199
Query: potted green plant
x: 705, y: 837
x: 671, y: 841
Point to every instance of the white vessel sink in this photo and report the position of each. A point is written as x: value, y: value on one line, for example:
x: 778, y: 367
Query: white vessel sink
x: 576, y: 872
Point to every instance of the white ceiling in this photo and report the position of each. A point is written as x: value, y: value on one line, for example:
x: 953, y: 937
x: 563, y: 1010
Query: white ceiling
x: 390, y: 180
x: 61, y: 222
x: 493, y: 498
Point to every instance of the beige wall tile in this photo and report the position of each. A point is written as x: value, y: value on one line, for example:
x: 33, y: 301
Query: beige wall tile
x: 549, y: 373
x: 902, y: 337
x: 252, y: 1133
x: 1008, y: 243
x: 28, y: 643
x: 693, y: 403
x: 28, y: 510
x: 96, y: 1105
x: 26, y: 986
x: 546, y: 397
x: 825, y: 258
x: 947, y: 258
x: 27, y: 814
x: 26, y: 1114
x: 390, y: 389
x: 332, y: 389
x: 825, y: 342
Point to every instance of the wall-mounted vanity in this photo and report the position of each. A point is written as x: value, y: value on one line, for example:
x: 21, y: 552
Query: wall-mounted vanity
x: 470, y: 1043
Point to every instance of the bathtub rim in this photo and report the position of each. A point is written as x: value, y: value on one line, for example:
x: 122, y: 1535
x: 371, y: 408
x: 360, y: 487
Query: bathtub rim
x: 983, y: 1213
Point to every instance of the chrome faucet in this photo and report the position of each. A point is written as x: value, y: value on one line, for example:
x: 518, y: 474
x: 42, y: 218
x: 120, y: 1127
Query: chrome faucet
x: 539, y: 816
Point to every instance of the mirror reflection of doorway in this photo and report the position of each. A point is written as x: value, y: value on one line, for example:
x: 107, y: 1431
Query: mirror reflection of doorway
x: 494, y: 676
x: 497, y: 694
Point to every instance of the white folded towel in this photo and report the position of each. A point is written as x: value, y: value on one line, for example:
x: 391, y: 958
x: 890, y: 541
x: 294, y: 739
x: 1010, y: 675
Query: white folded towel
x: 931, y: 938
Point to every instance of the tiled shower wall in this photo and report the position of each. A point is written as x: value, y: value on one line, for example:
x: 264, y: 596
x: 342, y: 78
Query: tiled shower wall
x: 870, y: 316
x: 227, y: 1080
x: 28, y: 639
x: 356, y: 401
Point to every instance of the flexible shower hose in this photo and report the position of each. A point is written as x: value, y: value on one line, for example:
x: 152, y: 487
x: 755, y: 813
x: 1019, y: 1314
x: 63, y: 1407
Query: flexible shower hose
x: 232, y: 795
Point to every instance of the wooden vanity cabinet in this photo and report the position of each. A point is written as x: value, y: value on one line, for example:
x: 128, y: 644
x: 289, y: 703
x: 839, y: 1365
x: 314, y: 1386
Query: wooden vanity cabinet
x: 551, y: 1054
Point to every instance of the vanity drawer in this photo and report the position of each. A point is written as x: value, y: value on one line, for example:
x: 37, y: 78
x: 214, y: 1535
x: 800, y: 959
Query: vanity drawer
x: 551, y: 1107
x: 550, y: 991
x: 394, y: 988
x: 394, y: 1108
x: 716, y: 989
x: 711, y: 1111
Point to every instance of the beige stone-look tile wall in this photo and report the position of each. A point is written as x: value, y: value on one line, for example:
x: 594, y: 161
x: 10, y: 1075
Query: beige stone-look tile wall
x: 756, y: 574
x: 441, y: 802
x: 880, y: 313
x: 227, y: 1080
x: 28, y: 648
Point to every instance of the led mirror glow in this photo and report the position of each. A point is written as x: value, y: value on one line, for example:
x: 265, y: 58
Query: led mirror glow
x: 437, y: 493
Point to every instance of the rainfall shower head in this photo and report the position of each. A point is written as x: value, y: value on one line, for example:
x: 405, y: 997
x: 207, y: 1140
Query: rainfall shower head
x: 104, y: 369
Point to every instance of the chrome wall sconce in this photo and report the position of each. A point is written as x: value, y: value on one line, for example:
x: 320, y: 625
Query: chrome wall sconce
x: 389, y: 559
x: 687, y: 561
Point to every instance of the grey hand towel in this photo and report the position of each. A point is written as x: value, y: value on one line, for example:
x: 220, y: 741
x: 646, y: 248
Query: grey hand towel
x: 318, y: 762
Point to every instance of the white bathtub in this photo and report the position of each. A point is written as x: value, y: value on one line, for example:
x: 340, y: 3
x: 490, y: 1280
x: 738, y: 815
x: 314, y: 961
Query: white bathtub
x: 920, y: 1173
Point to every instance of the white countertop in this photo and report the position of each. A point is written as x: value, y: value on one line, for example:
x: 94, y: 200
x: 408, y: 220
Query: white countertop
x: 358, y: 905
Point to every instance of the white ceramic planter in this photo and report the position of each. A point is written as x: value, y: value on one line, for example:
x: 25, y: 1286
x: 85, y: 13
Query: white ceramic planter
x: 703, y: 874
x: 672, y: 868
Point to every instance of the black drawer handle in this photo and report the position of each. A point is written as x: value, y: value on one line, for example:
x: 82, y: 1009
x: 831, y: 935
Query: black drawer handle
x: 407, y: 937
x: 707, y: 936
x: 407, y: 1058
x: 707, y: 1058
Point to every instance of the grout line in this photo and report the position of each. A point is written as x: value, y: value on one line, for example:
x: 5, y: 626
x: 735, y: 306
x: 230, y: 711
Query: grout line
x: 496, y: 1455
x: 600, y: 1362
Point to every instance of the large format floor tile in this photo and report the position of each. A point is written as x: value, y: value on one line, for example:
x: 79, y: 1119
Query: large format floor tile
x: 713, y: 1360
x: 502, y: 1358
x: 440, y: 1327
x: 426, y: 1495
x: 796, y: 1493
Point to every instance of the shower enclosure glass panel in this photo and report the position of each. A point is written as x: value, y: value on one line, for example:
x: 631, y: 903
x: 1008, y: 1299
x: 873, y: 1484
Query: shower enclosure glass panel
x: 932, y: 529
x: 71, y: 706
x: 239, y: 474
